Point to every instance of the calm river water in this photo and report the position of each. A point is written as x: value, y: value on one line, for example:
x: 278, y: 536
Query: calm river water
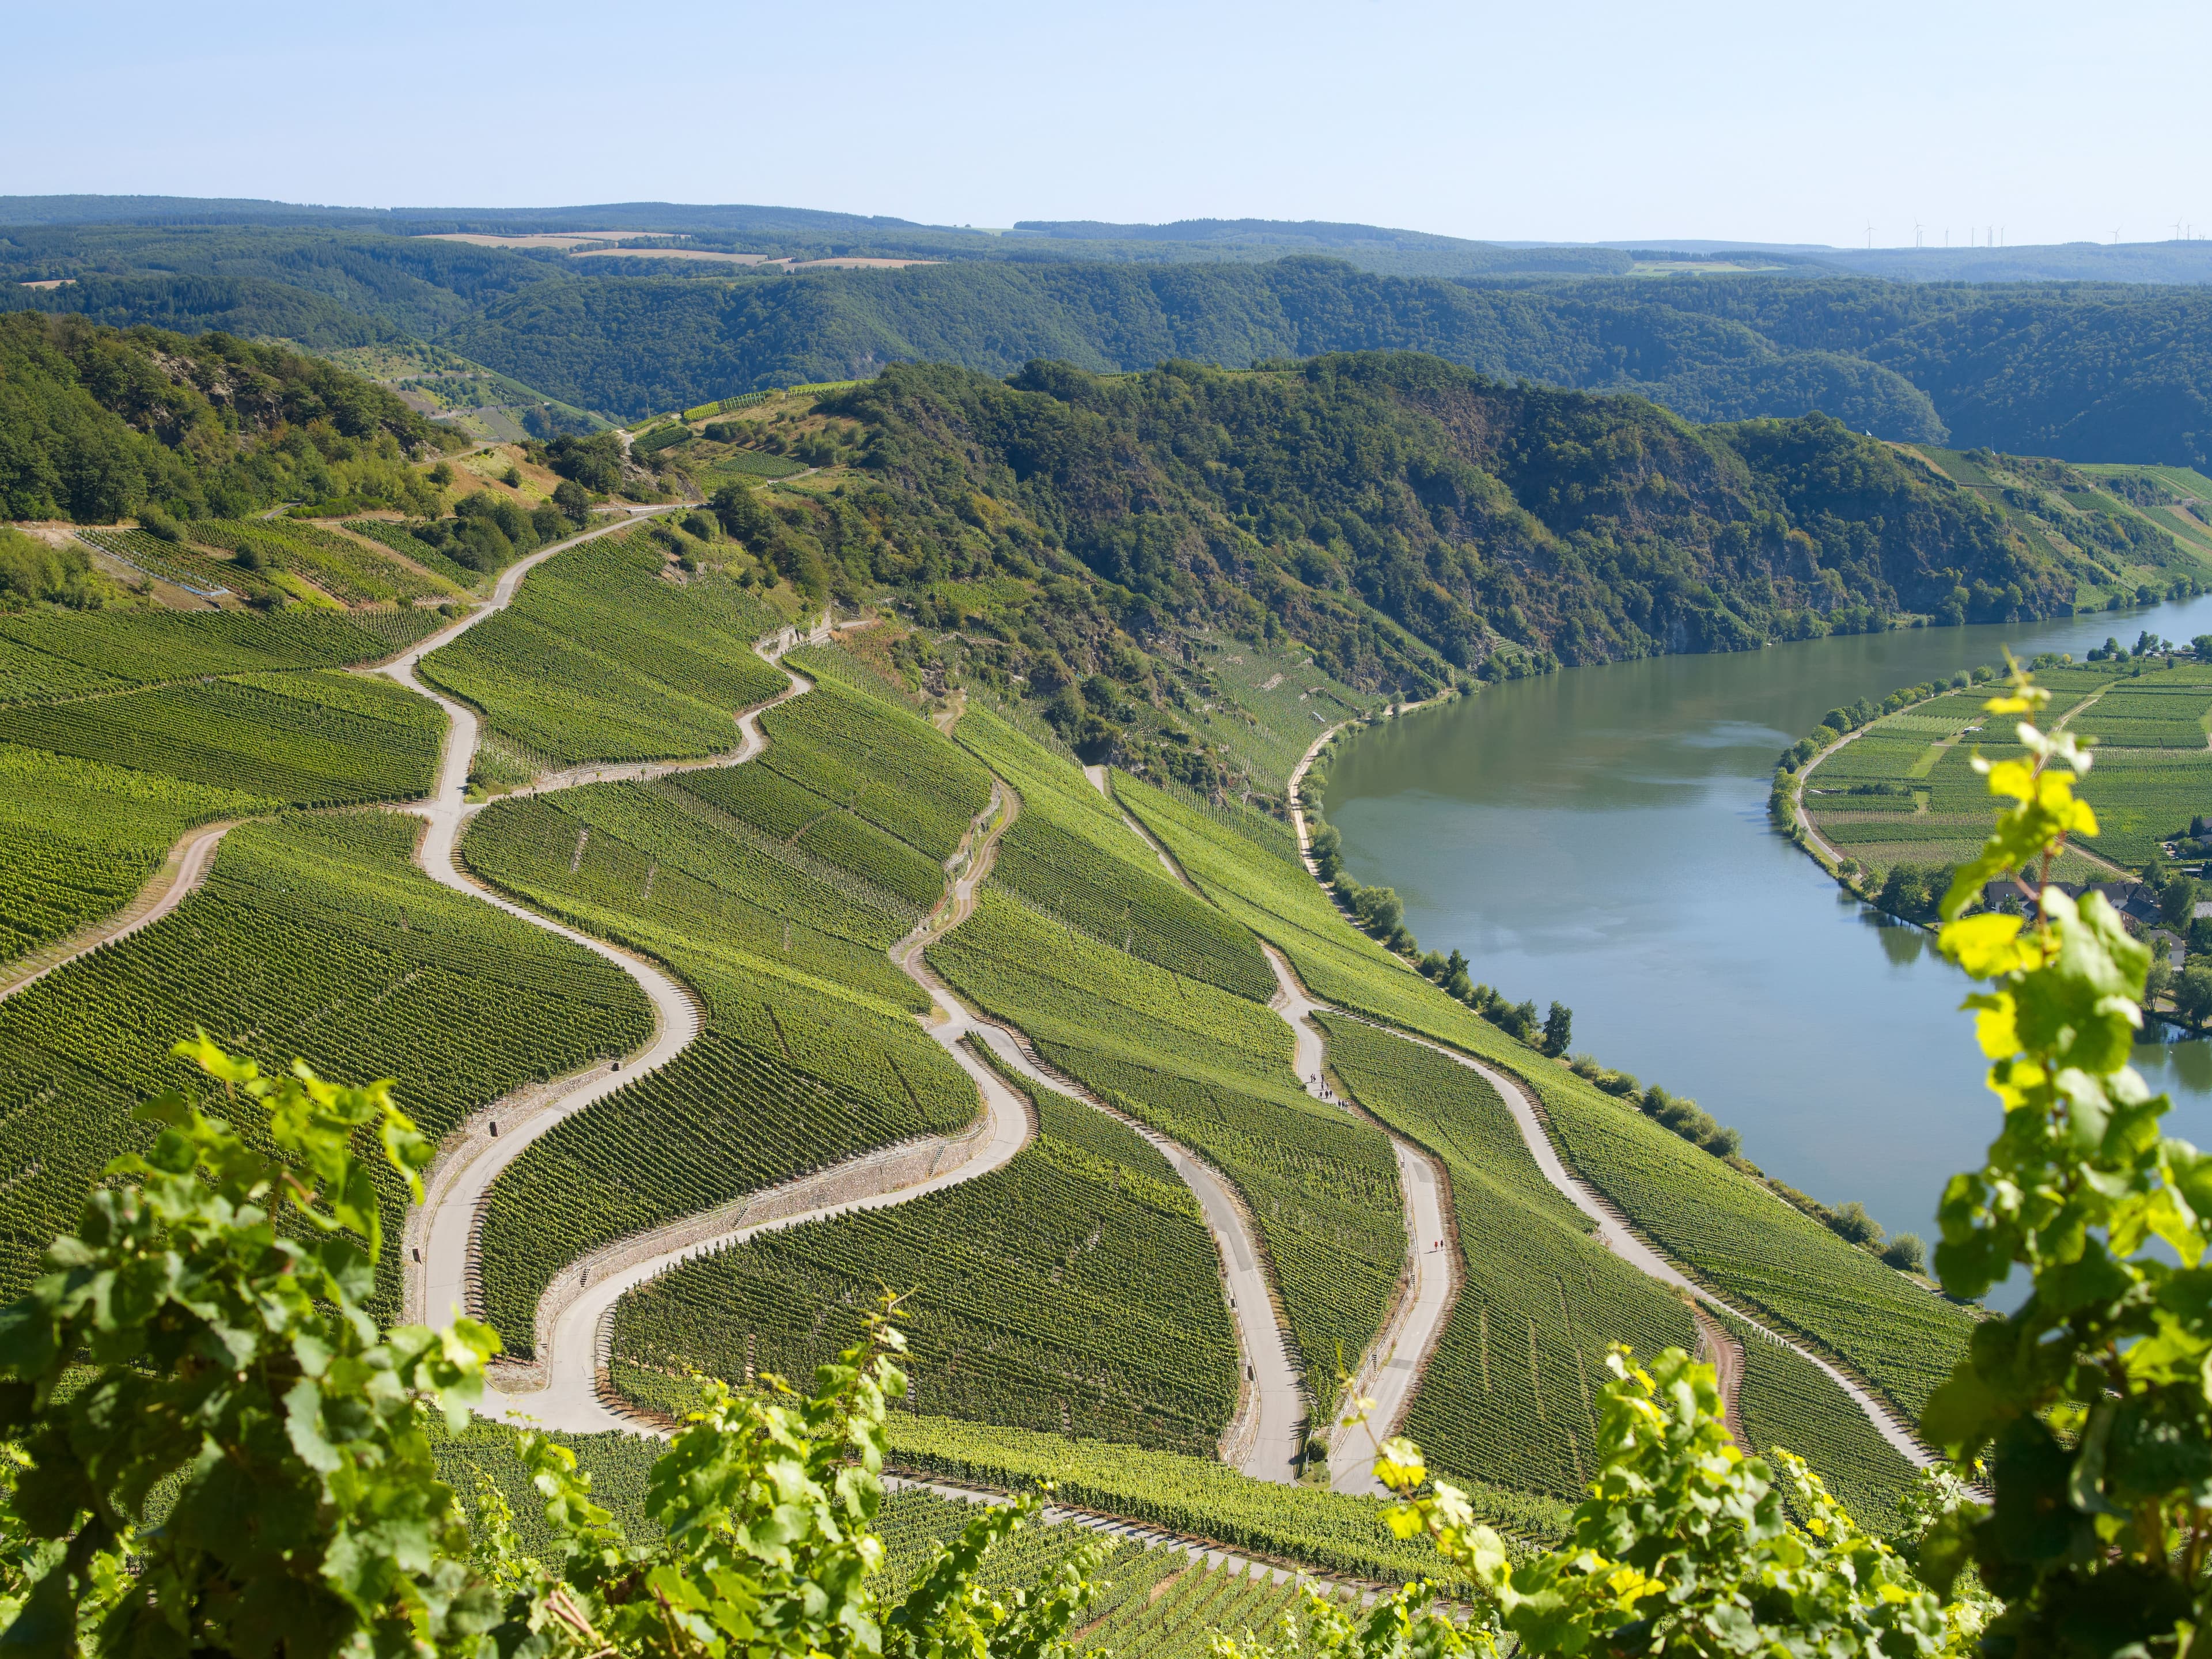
x: 1599, y: 837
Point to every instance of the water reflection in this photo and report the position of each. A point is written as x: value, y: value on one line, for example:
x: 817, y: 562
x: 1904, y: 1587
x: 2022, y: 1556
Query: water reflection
x: 1902, y: 944
x: 1600, y: 835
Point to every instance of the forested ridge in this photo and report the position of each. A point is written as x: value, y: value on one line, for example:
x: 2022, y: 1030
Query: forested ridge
x: 2084, y: 371
x: 1384, y: 508
x: 94, y: 424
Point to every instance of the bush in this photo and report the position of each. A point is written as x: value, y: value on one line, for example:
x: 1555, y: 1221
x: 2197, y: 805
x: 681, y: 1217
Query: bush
x: 155, y: 522
x: 32, y: 571
x: 572, y: 500
x: 1905, y: 1252
x: 1852, y: 1222
x: 2192, y: 993
x: 594, y: 462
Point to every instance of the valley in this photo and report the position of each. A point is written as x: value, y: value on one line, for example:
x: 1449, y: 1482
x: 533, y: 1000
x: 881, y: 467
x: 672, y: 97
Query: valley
x: 972, y: 841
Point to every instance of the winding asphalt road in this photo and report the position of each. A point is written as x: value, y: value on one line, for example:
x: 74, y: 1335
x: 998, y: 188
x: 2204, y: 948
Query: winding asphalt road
x: 573, y: 1322
x: 1392, y: 1368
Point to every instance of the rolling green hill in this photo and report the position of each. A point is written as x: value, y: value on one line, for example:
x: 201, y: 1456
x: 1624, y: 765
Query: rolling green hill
x: 94, y: 422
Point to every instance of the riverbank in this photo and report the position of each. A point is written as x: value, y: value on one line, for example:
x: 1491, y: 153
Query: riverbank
x: 1601, y: 835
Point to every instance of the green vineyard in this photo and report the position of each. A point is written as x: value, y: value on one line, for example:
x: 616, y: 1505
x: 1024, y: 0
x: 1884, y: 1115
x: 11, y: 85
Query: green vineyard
x: 1075, y: 1290
x: 46, y: 655
x: 725, y: 1120
x: 604, y: 656
x: 206, y: 575
x: 810, y: 1053
x: 314, y: 938
x: 78, y: 838
x: 2152, y: 773
x: 346, y: 569
x: 429, y: 555
x: 1070, y: 857
x: 1509, y: 1395
x: 1211, y: 1070
x: 1788, y: 1401
x: 1202, y: 1498
x: 1746, y: 1242
x: 312, y: 741
x: 881, y: 762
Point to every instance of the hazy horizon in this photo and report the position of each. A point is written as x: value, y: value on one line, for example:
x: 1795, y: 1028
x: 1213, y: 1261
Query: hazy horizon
x: 1722, y: 121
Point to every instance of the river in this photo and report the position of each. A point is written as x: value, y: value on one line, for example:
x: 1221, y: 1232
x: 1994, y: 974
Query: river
x: 1600, y: 835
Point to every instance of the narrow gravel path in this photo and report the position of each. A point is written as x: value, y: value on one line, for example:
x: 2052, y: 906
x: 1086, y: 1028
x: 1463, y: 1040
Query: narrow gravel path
x: 1391, y: 1370
x: 183, y: 872
x: 575, y: 1316
x: 1617, y: 1236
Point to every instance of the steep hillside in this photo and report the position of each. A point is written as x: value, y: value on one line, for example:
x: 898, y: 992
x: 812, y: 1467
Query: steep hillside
x: 94, y: 424
x: 1382, y: 509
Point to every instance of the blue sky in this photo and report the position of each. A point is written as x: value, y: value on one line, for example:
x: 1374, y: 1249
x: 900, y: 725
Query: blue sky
x: 1557, y: 121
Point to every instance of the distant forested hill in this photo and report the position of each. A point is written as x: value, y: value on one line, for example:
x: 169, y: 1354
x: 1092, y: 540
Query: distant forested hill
x: 651, y: 343
x: 2085, y: 372
x: 1398, y: 513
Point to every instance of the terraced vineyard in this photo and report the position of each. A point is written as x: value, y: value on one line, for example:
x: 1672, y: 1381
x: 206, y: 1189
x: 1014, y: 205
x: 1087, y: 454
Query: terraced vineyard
x: 199, y: 572
x: 777, y: 904
x: 47, y: 654
x: 1211, y: 1070
x: 1718, y: 1222
x: 605, y: 656
x: 314, y: 740
x: 881, y: 762
x: 1200, y: 1496
x: 78, y: 838
x: 809, y: 1052
x: 313, y: 938
x: 331, y: 563
x: 1075, y: 1290
x: 1509, y: 1394
x: 1789, y: 1402
x: 1070, y: 857
x: 429, y: 555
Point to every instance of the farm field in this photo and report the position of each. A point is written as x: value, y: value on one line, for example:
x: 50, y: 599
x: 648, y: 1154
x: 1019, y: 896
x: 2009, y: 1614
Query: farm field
x: 314, y: 937
x: 604, y: 656
x: 94, y: 791
x: 777, y: 904
x: 1715, y: 1221
x: 2152, y: 772
x: 2123, y: 533
x: 1508, y: 1396
x: 1075, y: 1290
